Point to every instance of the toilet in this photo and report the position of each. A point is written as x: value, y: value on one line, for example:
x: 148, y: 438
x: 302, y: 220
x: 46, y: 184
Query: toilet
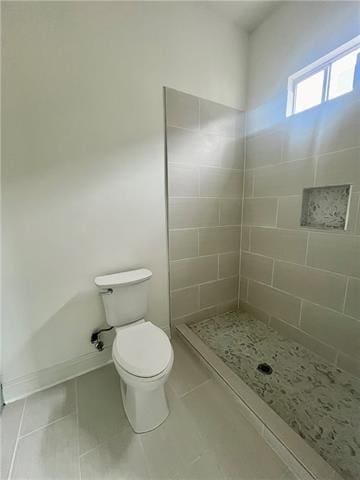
x: 142, y: 353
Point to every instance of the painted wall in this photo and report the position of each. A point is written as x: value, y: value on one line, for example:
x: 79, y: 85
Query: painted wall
x: 305, y: 282
x: 205, y: 161
x: 83, y: 158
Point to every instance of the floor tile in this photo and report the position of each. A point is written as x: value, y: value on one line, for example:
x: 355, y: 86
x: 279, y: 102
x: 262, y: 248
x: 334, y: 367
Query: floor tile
x: 10, y: 423
x: 203, y: 468
x: 175, y: 444
x: 49, y: 453
x: 187, y: 371
x: 120, y: 458
x: 101, y: 412
x: 44, y: 407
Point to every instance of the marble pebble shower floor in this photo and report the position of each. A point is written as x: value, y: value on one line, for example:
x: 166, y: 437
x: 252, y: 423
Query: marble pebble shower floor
x: 316, y: 399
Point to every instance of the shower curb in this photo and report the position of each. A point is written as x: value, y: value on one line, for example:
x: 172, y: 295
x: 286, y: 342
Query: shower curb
x: 303, y: 461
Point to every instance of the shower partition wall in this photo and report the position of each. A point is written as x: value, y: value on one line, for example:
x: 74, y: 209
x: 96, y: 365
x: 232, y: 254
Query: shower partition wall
x: 204, y: 182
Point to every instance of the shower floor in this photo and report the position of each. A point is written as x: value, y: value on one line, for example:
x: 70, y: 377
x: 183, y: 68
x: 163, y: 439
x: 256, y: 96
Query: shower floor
x: 319, y: 401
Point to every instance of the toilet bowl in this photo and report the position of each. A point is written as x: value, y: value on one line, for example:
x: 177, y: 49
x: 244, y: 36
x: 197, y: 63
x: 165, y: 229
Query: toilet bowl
x: 142, y: 353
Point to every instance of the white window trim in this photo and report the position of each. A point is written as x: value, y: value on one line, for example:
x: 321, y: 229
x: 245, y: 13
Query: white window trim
x: 322, y: 63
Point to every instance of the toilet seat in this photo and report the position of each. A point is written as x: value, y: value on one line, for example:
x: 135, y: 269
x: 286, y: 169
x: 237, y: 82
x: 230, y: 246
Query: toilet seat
x: 143, y: 350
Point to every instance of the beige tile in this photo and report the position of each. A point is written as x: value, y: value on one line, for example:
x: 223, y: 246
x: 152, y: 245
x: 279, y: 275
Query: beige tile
x: 197, y: 316
x: 183, y: 180
x: 173, y: 445
x: 289, y: 212
x: 230, y: 211
x: 249, y: 183
x: 349, y: 364
x: 121, y: 456
x: 182, y: 110
x: 219, y: 240
x: 260, y: 211
x: 340, y: 125
x: 189, y: 147
x: 49, y: 405
x: 220, y: 182
x: 288, y: 331
x: 282, y: 244
x: 285, y: 179
x: 51, y: 452
x: 338, y: 253
x: 255, y: 312
x: 184, y: 273
x: 264, y: 149
x: 183, y: 244
x: 320, y: 287
x: 206, y: 467
x: 228, y: 265
x: 256, y: 267
x: 218, y: 292
x: 274, y: 302
x: 218, y: 417
x: 187, y: 372
x: 244, y: 282
x: 330, y: 327
x: 301, y: 137
x: 227, y: 306
x: 232, y: 153
x: 339, y: 167
x: 184, y: 302
x: 352, y: 303
x: 245, y: 237
x: 193, y: 212
x: 219, y: 119
x: 98, y: 423
x: 10, y: 424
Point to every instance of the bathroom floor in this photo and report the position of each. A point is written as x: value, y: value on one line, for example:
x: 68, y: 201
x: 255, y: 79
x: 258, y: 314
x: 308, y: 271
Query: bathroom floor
x: 78, y: 430
x: 319, y: 401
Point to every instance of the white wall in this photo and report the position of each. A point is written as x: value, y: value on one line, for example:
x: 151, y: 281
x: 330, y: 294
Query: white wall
x: 295, y: 35
x: 83, y: 157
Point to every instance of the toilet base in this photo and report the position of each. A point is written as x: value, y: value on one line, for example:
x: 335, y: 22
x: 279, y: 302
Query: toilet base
x: 145, y: 409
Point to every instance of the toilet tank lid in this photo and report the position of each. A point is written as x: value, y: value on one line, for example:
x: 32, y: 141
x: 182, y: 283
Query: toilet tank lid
x: 123, y: 278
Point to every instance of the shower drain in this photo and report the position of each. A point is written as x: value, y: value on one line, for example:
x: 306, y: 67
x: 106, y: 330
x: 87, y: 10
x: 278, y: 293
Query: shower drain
x: 265, y: 368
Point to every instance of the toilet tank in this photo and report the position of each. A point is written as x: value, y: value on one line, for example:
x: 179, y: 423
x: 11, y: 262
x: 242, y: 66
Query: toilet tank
x: 124, y: 295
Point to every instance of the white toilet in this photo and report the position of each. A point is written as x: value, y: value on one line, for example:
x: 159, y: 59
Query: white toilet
x: 142, y: 352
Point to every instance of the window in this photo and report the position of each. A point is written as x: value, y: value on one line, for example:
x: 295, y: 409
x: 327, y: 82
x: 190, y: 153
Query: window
x: 327, y: 78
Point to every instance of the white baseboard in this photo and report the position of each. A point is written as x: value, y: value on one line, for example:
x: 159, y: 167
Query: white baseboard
x: 34, y: 382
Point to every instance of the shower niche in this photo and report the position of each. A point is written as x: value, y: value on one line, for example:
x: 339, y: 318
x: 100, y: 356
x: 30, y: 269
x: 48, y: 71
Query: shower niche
x: 326, y: 207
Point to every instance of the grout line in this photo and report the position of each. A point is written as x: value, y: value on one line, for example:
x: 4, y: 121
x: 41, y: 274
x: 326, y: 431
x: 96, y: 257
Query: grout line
x: 204, y: 256
x: 242, y: 212
x: 12, y: 463
x: 98, y: 445
x: 203, y: 283
x: 277, y: 211
x: 345, y: 293
x: 273, y: 271
x: 206, y: 165
x: 300, y: 313
x: 195, y: 388
x: 307, y: 248
x: 218, y: 266
x: 45, y: 426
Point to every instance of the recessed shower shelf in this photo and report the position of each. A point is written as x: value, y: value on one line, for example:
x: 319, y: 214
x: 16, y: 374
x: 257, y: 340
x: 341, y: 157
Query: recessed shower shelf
x: 326, y: 207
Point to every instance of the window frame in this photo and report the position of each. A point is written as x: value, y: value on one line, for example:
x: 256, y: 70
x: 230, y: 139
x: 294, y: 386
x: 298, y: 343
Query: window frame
x: 323, y: 63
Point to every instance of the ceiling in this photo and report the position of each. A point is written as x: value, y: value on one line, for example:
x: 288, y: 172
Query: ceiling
x: 246, y: 14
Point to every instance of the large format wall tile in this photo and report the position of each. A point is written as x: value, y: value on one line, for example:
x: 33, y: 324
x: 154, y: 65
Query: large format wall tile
x: 183, y: 302
x: 228, y: 265
x: 321, y: 287
x: 264, y: 149
x: 230, y: 211
x: 219, y: 182
x: 183, y: 180
x: 193, y: 212
x: 285, y: 179
x: 274, y: 302
x: 219, y: 119
x: 256, y: 267
x: 184, y: 273
x: 339, y: 167
x: 189, y: 146
x: 183, y: 244
x: 182, y: 110
x: 338, y: 253
x: 219, y: 240
x: 260, y: 211
x: 218, y: 292
x: 352, y: 303
x: 282, y: 244
x: 289, y: 212
x: 332, y: 328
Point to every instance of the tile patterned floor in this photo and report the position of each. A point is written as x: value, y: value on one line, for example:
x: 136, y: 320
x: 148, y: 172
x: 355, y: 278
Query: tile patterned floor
x: 78, y: 430
x: 319, y: 401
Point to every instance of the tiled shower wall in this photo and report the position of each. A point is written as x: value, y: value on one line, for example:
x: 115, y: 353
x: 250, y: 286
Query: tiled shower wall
x: 205, y: 176
x: 304, y: 282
